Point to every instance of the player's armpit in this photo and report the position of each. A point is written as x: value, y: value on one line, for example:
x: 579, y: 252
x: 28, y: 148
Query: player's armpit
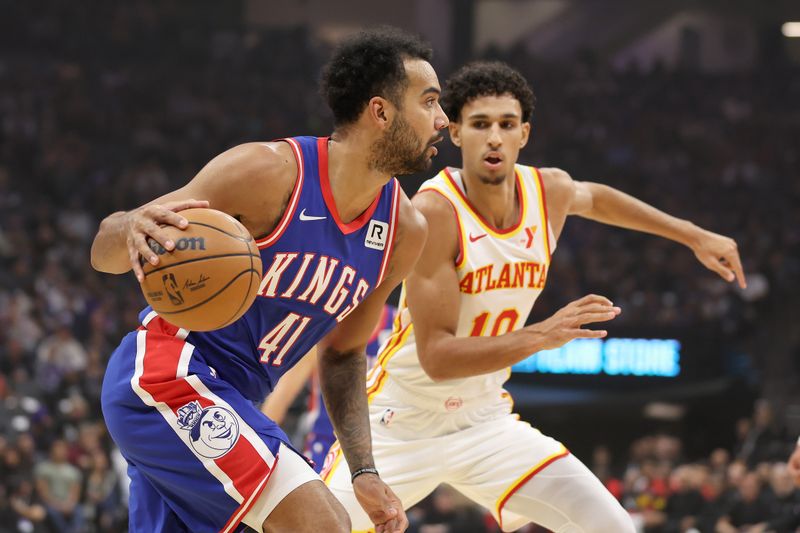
x: 564, y: 197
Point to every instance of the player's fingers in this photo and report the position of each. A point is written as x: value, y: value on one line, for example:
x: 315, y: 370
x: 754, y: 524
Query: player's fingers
x: 134, y: 257
x: 724, y: 272
x: 590, y: 318
x: 736, y: 264
x: 714, y: 263
x: 598, y: 308
x: 144, y: 249
x: 180, y: 205
x: 594, y: 299
x: 162, y: 237
x: 588, y: 333
x: 402, y: 524
x: 162, y: 215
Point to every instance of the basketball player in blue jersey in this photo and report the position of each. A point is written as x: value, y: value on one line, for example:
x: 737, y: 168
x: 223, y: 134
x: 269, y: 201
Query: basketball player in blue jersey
x: 336, y: 235
x: 437, y: 405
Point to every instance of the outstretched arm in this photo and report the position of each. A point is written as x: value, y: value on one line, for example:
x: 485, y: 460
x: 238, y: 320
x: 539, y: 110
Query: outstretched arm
x: 342, y: 374
x: 433, y: 295
x: 611, y: 206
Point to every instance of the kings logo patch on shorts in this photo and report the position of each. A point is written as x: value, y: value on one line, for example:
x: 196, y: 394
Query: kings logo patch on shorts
x: 213, y: 430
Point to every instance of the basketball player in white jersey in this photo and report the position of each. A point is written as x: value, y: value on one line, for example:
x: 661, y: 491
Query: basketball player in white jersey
x: 438, y: 411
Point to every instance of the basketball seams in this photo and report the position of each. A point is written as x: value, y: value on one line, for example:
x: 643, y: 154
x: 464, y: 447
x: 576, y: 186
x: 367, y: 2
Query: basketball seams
x: 220, y: 291
x: 249, y: 287
x: 204, y: 258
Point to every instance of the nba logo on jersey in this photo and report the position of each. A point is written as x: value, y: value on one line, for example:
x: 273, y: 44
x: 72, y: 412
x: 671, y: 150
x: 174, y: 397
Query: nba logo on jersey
x: 213, y: 431
x: 376, y: 235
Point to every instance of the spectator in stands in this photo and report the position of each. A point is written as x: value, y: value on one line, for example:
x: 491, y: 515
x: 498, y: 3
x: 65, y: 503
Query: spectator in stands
x: 59, y: 485
x: 749, y: 508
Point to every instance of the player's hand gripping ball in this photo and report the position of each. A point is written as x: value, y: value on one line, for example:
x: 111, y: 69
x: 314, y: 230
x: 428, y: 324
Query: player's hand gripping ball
x: 210, y: 278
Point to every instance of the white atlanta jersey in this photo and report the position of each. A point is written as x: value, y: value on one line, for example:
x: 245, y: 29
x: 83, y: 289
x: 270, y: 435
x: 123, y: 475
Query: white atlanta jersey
x: 462, y: 431
x: 500, y: 272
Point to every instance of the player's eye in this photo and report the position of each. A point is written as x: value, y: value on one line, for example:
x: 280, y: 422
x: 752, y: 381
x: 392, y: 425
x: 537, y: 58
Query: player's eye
x: 218, y: 416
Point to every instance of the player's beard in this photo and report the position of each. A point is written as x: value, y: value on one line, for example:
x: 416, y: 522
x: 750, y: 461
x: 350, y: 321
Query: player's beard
x: 399, y: 151
x: 492, y: 180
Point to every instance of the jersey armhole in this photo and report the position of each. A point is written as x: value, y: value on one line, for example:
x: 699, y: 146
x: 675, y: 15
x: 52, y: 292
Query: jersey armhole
x: 461, y: 257
x: 387, y: 253
x: 548, y: 232
x: 276, y: 233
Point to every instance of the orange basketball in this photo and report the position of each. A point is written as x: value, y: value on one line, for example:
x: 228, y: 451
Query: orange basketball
x: 210, y: 278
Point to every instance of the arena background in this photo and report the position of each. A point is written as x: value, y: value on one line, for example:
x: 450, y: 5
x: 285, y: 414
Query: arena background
x: 693, y: 106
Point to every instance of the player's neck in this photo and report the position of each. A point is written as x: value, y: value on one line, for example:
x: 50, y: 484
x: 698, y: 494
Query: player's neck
x: 353, y: 184
x: 497, y: 203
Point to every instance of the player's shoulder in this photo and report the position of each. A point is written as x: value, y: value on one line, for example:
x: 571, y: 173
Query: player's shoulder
x: 411, y: 235
x: 260, y: 161
x: 433, y: 197
x: 411, y: 222
x: 557, y: 183
x: 553, y: 177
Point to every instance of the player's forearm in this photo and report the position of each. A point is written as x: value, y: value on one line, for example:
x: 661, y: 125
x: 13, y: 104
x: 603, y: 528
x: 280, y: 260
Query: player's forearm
x: 453, y: 357
x: 614, y: 207
x: 109, y: 251
x: 342, y: 377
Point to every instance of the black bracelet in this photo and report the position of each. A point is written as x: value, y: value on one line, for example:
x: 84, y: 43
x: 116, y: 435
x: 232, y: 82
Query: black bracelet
x: 365, y: 470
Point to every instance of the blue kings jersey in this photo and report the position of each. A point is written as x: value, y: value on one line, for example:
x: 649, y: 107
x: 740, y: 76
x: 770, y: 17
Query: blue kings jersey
x: 316, y: 270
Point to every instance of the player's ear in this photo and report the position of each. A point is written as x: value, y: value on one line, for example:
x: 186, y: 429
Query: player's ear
x: 380, y: 111
x: 526, y: 134
x: 455, y: 133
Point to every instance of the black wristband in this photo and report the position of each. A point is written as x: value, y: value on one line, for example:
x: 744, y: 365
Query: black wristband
x: 364, y: 470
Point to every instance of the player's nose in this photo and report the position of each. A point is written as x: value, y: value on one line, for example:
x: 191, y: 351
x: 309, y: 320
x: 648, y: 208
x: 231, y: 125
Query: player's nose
x: 441, y: 121
x: 494, y: 139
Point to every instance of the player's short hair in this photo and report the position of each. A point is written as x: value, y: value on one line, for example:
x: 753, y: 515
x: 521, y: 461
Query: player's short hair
x: 366, y: 65
x: 485, y: 78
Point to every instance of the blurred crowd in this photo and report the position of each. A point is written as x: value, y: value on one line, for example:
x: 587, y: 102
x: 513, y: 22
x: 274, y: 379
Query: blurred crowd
x: 106, y: 106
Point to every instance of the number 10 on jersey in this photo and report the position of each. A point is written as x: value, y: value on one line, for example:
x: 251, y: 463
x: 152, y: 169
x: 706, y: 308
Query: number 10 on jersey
x: 506, y: 319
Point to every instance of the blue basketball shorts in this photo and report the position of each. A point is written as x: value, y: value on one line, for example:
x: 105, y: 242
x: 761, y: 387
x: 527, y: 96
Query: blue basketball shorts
x: 199, y: 453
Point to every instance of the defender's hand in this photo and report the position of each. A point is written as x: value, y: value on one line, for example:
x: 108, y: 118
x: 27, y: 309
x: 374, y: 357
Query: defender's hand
x: 565, y: 324
x: 793, y: 464
x: 380, y: 503
x: 720, y: 254
x: 149, y: 221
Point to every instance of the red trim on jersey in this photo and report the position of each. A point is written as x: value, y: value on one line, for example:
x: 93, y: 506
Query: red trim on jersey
x: 325, y: 184
x: 546, y: 217
x: 392, y: 223
x: 273, y: 237
x: 485, y: 222
x: 460, y: 256
x: 243, y: 464
x: 525, y: 480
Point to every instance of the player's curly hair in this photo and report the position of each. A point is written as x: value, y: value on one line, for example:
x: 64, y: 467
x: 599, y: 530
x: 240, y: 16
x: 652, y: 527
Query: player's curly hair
x: 366, y: 65
x: 485, y: 78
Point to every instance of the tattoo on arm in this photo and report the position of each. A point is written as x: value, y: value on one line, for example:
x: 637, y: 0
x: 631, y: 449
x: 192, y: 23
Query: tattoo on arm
x: 343, y: 381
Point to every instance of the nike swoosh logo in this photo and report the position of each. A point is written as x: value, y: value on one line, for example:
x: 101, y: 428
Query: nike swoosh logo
x: 305, y: 217
x: 473, y: 238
